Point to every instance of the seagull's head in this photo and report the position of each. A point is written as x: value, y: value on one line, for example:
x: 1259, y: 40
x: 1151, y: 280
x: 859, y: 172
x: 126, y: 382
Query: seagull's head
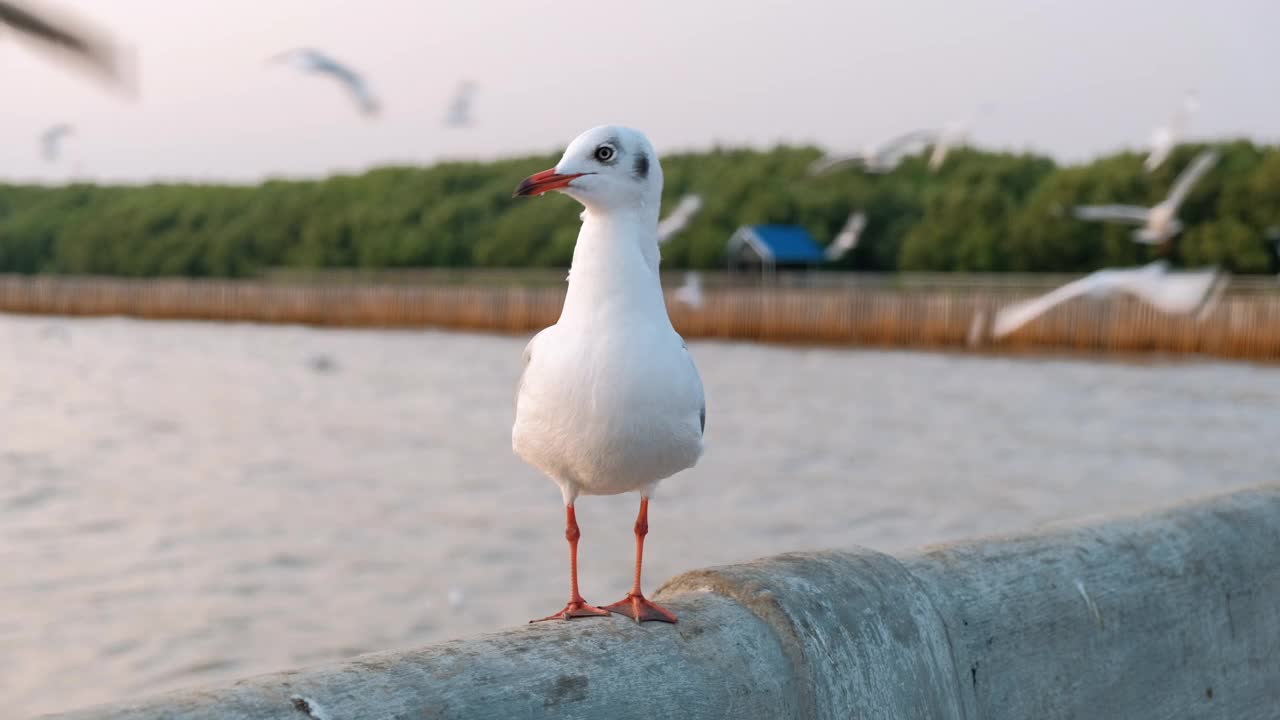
x: 605, y: 168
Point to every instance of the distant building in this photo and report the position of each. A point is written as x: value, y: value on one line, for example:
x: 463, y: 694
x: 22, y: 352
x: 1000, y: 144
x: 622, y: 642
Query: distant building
x: 770, y: 247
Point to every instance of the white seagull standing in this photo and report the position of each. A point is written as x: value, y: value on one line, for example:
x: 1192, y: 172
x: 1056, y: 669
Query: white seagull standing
x: 847, y: 238
x: 1163, y: 139
x: 1174, y: 293
x: 313, y: 61
x: 610, y: 400
x: 1159, y: 223
x: 51, y: 140
x: 880, y: 158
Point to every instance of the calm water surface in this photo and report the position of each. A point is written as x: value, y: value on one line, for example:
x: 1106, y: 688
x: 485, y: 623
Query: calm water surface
x: 189, y: 503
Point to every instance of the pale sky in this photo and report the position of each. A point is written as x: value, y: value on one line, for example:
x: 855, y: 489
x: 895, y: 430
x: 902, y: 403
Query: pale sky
x: 1070, y: 78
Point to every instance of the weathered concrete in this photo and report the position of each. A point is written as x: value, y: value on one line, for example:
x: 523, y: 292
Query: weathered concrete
x: 1172, y: 615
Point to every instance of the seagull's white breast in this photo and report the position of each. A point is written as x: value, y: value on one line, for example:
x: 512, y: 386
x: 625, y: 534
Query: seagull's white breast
x: 609, y: 412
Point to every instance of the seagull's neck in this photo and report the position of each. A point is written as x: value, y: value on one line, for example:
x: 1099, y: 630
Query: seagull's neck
x: 615, y: 267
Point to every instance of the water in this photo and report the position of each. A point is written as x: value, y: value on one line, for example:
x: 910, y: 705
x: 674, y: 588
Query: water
x: 188, y: 503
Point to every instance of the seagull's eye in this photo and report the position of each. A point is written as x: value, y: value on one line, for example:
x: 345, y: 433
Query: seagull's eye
x: 605, y: 153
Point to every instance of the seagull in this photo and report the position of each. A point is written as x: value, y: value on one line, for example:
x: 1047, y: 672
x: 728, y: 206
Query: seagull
x: 314, y: 61
x: 610, y: 400
x: 679, y: 218
x: 1175, y: 293
x: 92, y: 50
x: 847, y: 238
x: 1164, y: 138
x: 953, y: 134
x: 878, y: 158
x: 690, y: 293
x: 459, y: 114
x: 51, y: 140
x: 1159, y: 223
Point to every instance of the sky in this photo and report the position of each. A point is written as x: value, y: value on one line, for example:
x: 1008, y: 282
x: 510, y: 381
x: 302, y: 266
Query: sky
x: 1071, y: 79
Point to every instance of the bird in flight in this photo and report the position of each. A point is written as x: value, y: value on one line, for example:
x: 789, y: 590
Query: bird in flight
x: 314, y: 61
x: 1179, y: 293
x: 70, y: 39
x: 1159, y: 222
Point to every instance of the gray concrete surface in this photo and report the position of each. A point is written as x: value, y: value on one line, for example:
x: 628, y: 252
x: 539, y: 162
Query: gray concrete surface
x: 1170, y: 615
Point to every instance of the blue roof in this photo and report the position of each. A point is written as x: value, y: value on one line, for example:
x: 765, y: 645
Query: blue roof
x: 789, y: 243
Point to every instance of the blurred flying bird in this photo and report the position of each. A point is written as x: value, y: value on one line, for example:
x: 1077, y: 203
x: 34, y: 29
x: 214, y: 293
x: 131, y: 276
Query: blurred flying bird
x: 51, y: 140
x: 954, y: 134
x: 1159, y: 223
x: 679, y: 218
x: 847, y: 238
x: 690, y: 293
x: 459, y: 114
x: 1164, y: 138
x: 1180, y: 293
x: 69, y: 38
x: 314, y: 61
x: 609, y: 400
x: 880, y: 158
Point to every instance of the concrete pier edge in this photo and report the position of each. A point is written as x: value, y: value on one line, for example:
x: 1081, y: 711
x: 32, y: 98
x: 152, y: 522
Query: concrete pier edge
x: 1169, y: 614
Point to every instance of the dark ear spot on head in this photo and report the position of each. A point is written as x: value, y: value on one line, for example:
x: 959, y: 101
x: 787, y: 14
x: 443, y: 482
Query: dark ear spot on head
x: 642, y: 166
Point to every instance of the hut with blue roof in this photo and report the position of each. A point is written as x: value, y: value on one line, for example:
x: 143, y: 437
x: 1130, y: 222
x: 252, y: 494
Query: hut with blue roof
x: 770, y: 247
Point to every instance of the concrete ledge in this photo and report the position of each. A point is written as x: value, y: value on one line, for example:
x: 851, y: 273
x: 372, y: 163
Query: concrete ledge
x: 1170, y: 615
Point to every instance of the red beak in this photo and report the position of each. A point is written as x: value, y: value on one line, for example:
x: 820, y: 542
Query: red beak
x: 538, y: 183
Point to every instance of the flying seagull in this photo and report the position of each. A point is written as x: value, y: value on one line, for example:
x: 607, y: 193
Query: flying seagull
x: 70, y: 38
x: 51, y: 140
x: 1164, y: 138
x: 954, y: 134
x: 313, y: 61
x: 878, y: 158
x: 690, y: 293
x: 847, y: 238
x: 1180, y: 293
x: 610, y: 400
x: 1159, y: 223
x: 459, y: 114
x: 679, y: 218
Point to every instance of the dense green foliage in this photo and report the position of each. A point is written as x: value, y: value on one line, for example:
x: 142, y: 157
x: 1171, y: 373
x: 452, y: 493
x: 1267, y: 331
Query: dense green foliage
x: 982, y: 212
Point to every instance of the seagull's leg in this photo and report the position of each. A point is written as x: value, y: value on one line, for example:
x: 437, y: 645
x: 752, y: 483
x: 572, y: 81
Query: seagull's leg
x: 635, y: 605
x: 577, y: 607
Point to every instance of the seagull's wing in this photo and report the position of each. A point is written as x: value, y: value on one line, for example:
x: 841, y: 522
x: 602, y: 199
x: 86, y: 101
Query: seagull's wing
x: 525, y: 358
x: 1014, y: 316
x: 702, y: 398
x: 1198, y: 167
x: 353, y: 82
x: 895, y: 148
x: 1118, y: 213
x: 679, y: 218
x: 313, y: 60
x: 940, y: 149
x: 690, y: 293
x: 96, y: 52
x: 1161, y: 146
x: 847, y: 238
x: 827, y: 163
x: 1178, y: 293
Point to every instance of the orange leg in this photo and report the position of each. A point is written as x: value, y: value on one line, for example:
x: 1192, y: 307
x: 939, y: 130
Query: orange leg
x: 635, y: 605
x: 577, y: 607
